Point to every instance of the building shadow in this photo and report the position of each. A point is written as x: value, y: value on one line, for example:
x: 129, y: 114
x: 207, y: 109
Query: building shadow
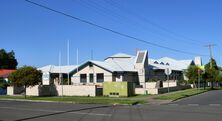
x: 62, y: 112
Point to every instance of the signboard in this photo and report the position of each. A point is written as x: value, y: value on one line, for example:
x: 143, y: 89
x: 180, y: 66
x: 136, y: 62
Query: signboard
x: 168, y: 71
x: 46, y: 78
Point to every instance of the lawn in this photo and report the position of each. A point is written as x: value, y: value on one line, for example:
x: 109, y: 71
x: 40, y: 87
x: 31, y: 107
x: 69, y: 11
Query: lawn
x: 181, y: 94
x: 79, y: 99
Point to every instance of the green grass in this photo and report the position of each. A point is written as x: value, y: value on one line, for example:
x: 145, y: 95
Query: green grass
x: 78, y: 99
x: 181, y: 94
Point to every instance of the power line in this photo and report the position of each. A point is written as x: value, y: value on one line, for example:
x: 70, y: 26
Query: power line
x: 113, y: 31
x: 114, y: 4
x: 100, y: 8
x: 209, y: 46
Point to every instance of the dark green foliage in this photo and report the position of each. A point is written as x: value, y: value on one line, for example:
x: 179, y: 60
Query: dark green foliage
x: 3, y: 83
x: 192, y: 74
x: 219, y: 78
x: 25, y: 76
x: 211, y: 72
x: 7, y: 60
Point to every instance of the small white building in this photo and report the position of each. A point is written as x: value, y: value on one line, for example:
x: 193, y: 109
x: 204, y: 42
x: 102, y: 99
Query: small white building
x: 116, y: 68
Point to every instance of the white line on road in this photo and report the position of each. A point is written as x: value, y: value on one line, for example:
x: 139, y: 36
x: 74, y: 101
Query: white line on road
x: 193, y: 104
x: 215, y: 104
x: 173, y: 104
x: 56, y: 111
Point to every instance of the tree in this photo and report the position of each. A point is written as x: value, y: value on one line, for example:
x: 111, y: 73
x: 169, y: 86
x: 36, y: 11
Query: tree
x: 7, y: 60
x: 25, y: 76
x: 192, y: 74
x: 219, y: 79
x: 211, y: 72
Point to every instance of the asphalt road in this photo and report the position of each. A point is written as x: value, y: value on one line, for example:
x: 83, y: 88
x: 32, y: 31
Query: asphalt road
x: 208, y: 98
x: 196, y: 108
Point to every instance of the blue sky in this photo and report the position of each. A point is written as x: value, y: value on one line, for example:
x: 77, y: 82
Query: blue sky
x: 37, y: 35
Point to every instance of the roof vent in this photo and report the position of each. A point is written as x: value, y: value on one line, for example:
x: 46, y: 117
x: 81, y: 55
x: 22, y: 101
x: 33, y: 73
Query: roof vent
x: 156, y: 62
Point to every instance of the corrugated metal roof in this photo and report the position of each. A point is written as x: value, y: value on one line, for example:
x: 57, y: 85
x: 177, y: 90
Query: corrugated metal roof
x: 172, y: 63
x: 121, y: 62
x: 58, y: 69
x: 120, y: 55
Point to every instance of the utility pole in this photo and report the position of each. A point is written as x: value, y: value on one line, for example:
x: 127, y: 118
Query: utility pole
x: 209, y: 46
x: 68, y: 62
x: 198, y: 78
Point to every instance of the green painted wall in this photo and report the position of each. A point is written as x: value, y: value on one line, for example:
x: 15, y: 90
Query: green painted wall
x: 124, y: 89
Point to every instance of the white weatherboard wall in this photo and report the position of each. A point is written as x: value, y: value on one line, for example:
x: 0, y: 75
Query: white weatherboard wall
x: 33, y: 91
x: 10, y: 91
x: 150, y: 84
x: 76, y: 90
x: 59, y: 90
x: 91, y: 70
x: 171, y: 84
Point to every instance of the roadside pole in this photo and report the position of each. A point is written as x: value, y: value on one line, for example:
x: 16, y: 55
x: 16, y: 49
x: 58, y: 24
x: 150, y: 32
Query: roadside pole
x: 168, y: 83
x: 198, y: 78
x: 168, y: 71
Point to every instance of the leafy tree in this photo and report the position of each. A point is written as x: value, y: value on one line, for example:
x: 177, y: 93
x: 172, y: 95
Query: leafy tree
x: 3, y: 83
x: 211, y: 72
x: 219, y: 79
x: 192, y: 74
x: 25, y: 76
x: 7, y: 60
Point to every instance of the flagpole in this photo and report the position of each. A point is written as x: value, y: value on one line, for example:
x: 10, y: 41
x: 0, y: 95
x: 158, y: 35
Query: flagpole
x: 60, y: 75
x: 77, y: 59
x: 68, y: 60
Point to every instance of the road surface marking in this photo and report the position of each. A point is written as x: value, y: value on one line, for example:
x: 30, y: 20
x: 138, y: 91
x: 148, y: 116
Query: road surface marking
x: 173, y: 104
x: 56, y: 111
x: 215, y: 104
x: 193, y: 104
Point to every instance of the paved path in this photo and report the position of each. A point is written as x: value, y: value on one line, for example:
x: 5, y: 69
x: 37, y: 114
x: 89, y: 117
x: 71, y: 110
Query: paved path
x: 183, y: 110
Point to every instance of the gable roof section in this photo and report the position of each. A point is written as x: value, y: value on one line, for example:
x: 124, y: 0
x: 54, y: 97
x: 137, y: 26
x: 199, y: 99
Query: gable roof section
x: 112, y: 65
x: 58, y: 69
x: 119, y: 55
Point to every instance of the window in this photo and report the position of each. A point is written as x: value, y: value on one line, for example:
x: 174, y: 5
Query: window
x: 91, y: 78
x: 167, y: 64
x: 140, y: 57
x: 162, y: 63
x: 156, y: 62
x: 100, y: 77
x: 83, y: 78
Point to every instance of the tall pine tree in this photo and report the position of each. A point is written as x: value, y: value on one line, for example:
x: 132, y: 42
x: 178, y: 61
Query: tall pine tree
x: 7, y: 60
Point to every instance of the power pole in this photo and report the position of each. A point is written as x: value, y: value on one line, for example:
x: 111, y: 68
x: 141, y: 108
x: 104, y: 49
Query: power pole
x: 209, y: 46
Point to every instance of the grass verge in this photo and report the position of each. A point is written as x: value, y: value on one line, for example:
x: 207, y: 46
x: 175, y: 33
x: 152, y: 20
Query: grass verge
x: 181, y: 94
x: 78, y: 99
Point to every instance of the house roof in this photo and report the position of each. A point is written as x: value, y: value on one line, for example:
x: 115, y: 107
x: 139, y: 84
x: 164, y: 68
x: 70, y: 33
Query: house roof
x: 58, y: 69
x: 113, y: 65
x: 171, y: 63
x: 120, y: 55
x: 121, y: 62
x: 6, y: 72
